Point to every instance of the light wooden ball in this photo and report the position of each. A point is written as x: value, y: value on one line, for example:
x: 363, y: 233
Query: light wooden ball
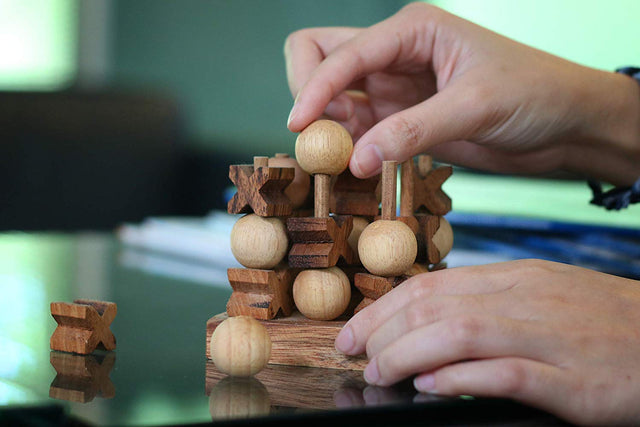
x: 324, y: 147
x: 322, y: 294
x: 387, y: 248
x: 259, y: 242
x: 240, y: 346
x: 443, y: 239
x: 298, y: 190
x: 235, y: 397
x: 359, y: 224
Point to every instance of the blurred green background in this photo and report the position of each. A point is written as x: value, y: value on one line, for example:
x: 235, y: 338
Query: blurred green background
x: 221, y: 62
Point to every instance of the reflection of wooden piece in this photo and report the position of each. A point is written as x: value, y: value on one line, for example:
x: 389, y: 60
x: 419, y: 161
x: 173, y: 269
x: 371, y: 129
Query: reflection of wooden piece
x: 294, y: 386
x: 319, y: 242
x: 373, y: 287
x: 236, y: 397
x: 299, y: 341
x: 260, y: 189
x: 240, y: 346
x: 263, y: 294
x: 322, y: 294
x: 423, y: 188
x: 80, y: 378
x: 83, y: 326
x: 353, y: 196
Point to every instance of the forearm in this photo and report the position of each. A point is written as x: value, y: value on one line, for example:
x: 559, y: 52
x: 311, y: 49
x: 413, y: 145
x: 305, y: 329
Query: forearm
x: 608, y: 146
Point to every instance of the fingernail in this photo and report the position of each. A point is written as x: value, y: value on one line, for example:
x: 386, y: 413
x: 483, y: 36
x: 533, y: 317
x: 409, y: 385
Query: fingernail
x: 368, y: 160
x: 372, y: 395
x: 426, y: 383
x: 345, y: 340
x: 293, y: 111
x: 371, y: 373
x: 292, y: 114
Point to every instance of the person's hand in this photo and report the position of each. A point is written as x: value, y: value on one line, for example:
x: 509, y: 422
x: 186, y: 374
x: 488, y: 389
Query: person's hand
x: 427, y: 81
x: 558, y: 337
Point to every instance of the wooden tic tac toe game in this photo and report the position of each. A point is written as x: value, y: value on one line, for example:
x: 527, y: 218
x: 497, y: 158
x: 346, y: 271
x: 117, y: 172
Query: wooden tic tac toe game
x: 313, y: 260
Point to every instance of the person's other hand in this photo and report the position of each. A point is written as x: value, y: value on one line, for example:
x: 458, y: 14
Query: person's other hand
x: 427, y: 81
x: 558, y: 337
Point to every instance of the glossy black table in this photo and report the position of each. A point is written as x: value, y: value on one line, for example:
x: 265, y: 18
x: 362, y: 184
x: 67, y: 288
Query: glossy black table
x: 158, y: 374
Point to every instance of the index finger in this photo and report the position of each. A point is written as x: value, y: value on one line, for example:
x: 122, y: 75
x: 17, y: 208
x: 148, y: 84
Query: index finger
x: 393, y: 41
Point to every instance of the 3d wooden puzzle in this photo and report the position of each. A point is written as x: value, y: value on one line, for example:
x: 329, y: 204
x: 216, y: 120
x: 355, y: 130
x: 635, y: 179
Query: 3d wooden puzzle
x: 311, y: 262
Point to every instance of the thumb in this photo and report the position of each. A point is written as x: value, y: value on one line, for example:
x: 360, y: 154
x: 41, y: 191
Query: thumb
x: 450, y: 115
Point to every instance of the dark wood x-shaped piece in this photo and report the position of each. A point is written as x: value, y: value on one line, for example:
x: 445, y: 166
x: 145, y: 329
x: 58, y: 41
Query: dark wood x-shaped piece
x: 260, y: 190
x: 83, y: 326
x: 424, y: 187
x: 261, y: 294
x: 353, y: 196
x: 319, y: 242
x: 81, y: 377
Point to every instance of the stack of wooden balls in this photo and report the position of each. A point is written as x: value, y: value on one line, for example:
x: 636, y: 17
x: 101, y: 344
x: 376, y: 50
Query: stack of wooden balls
x: 323, y: 150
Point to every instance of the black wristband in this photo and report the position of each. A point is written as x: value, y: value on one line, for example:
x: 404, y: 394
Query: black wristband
x: 619, y: 197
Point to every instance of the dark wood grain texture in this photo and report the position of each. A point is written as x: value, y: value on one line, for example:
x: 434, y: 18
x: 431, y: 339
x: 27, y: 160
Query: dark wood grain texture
x: 262, y: 294
x: 422, y: 188
x: 319, y: 242
x: 353, y: 196
x: 260, y: 189
x: 373, y: 287
x: 80, y: 378
x: 83, y: 326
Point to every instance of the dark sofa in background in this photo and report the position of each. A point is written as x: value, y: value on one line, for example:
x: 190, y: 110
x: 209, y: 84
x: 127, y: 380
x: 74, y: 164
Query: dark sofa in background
x: 90, y: 161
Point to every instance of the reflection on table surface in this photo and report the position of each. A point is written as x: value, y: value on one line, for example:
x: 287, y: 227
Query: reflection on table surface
x: 158, y: 373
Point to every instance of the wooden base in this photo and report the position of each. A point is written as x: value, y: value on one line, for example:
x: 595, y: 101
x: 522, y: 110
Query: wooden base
x: 298, y: 341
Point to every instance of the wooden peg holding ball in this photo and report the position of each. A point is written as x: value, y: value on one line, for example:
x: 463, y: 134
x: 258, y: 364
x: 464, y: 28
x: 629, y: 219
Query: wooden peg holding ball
x: 323, y: 149
x: 388, y: 247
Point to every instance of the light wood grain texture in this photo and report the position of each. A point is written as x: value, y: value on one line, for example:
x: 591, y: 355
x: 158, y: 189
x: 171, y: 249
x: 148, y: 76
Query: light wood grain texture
x: 373, y: 287
x: 322, y: 184
x: 262, y: 294
x: 389, y: 171
x: 259, y: 242
x: 322, y: 294
x: 319, y: 242
x: 298, y: 341
x: 324, y: 147
x: 287, y: 386
x: 260, y: 190
x: 80, y: 378
x: 443, y: 238
x: 298, y: 190
x: 359, y: 224
x: 353, y: 196
x: 240, y: 346
x: 387, y: 248
x: 422, y: 188
x: 83, y: 326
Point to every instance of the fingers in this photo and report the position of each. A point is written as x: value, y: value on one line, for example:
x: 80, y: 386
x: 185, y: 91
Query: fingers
x: 454, y: 340
x: 527, y: 381
x: 304, y: 50
x: 456, y: 281
x: 393, y: 41
x: 449, y: 115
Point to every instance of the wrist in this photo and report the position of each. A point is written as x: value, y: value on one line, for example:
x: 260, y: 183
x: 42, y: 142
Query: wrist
x: 607, y: 147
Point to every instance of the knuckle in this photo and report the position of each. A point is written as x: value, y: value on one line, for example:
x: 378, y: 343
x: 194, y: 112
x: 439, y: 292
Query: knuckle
x: 513, y: 378
x: 294, y: 38
x: 464, y: 332
x: 409, y: 134
x: 416, y: 315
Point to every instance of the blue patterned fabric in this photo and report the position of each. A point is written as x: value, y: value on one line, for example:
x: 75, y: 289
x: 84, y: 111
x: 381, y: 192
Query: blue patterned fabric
x: 619, y: 197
